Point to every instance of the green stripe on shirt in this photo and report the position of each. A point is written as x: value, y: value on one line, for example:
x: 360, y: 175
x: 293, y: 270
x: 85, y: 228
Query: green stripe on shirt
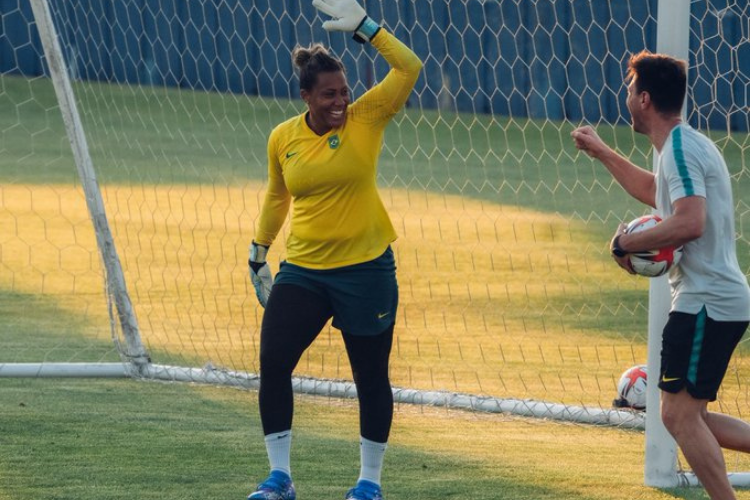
x: 679, y: 158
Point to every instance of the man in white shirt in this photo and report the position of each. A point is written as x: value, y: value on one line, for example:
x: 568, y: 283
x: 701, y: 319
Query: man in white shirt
x: 710, y: 311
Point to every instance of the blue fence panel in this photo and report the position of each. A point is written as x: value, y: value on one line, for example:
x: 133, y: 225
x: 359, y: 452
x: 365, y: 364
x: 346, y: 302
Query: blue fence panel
x: 19, y: 53
x: 165, y: 67
x: 723, y: 48
x: 540, y: 59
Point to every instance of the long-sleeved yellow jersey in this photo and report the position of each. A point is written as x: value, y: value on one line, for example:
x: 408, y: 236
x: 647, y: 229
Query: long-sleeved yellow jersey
x: 338, y: 218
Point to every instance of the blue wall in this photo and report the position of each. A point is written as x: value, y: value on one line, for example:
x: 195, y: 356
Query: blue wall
x: 559, y: 59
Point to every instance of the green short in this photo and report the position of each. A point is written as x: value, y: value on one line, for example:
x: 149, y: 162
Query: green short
x: 363, y: 297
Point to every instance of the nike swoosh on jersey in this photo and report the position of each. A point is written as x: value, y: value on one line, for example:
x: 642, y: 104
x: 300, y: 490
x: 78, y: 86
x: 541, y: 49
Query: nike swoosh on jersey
x: 383, y: 315
x: 289, y: 155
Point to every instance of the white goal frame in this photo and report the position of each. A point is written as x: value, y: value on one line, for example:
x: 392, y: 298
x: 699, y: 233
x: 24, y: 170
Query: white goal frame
x: 673, y: 29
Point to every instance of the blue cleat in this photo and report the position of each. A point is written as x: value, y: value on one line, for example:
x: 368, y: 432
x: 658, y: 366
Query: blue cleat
x: 277, y: 486
x: 364, y: 490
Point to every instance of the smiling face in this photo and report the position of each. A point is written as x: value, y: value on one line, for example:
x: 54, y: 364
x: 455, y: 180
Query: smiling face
x: 327, y: 102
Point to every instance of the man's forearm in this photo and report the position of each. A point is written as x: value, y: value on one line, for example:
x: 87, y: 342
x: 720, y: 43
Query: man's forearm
x: 637, y: 182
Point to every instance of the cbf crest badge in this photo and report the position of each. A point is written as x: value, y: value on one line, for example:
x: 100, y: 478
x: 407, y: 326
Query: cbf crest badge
x: 334, y: 141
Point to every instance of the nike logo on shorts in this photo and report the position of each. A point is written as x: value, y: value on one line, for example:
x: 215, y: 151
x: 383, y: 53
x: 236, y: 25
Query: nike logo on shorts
x: 383, y: 315
x: 669, y: 379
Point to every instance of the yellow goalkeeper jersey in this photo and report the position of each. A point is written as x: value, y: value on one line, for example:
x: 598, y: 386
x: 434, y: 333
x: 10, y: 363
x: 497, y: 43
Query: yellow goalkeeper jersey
x: 338, y: 218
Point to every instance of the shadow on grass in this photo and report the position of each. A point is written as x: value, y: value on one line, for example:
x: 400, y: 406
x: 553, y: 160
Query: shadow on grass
x: 35, y: 329
x: 116, y: 439
x: 97, y: 439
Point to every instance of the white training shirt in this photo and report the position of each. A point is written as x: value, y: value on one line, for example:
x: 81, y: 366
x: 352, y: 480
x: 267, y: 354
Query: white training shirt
x: 708, y: 274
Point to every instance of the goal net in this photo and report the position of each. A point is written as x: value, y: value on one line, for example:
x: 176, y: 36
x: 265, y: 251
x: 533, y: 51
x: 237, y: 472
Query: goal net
x: 509, y: 299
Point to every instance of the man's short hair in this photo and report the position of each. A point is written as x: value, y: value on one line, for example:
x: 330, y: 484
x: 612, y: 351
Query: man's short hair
x: 662, y: 76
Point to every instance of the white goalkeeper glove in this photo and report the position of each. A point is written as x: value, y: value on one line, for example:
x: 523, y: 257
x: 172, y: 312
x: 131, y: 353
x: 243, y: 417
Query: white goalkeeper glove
x: 348, y: 15
x: 260, y: 273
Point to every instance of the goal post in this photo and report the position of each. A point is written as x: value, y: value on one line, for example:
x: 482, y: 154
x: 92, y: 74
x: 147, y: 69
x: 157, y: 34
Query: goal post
x: 509, y: 301
x: 660, y: 468
x: 116, y: 288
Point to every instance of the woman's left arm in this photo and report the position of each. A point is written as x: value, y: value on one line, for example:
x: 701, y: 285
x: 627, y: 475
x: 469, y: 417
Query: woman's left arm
x: 405, y: 68
x: 390, y: 95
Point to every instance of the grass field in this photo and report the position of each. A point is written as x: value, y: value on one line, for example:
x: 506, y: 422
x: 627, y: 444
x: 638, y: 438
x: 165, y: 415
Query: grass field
x: 506, y: 285
x: 506, y: 289
x: 112, y: 440
x: 108, y: 440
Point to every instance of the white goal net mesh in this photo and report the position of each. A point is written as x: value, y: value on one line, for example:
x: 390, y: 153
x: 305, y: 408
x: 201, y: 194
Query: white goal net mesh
x: 507, y: 288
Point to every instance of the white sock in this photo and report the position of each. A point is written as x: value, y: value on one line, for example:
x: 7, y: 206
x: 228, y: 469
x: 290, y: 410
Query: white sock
x: 278, y: 446
x: 371, y: 455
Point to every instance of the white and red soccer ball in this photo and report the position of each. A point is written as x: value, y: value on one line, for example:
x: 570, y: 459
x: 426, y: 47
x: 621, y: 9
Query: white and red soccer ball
x: 654, y: 262
x: 631, y: 389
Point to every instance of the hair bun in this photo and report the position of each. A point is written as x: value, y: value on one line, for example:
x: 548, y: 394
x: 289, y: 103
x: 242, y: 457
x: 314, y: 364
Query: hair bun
x: 301, y: 56
x: 313, y: 60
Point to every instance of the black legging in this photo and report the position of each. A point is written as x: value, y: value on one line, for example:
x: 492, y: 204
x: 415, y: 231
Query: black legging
x: 293, y: 318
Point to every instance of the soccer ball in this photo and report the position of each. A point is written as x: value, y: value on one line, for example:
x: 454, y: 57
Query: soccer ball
x: 655, y: 262
x: 631, y: 389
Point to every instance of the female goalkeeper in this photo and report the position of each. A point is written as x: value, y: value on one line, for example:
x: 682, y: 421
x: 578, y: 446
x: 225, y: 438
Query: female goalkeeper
x: 339, y: 261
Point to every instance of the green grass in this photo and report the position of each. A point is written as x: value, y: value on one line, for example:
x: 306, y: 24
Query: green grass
x: 35, y: 328
x: 159, y: 142
x: 153, y: 135
x: 73, y: 439
x: 163, y: 135
x: 115, y: 439
x: 143, y: 135
x: 107, y: 440
x: 118, y: 439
